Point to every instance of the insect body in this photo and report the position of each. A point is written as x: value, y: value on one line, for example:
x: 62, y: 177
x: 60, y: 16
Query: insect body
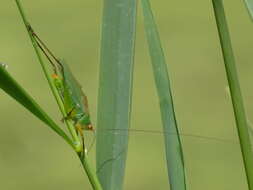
x: 75, y: 101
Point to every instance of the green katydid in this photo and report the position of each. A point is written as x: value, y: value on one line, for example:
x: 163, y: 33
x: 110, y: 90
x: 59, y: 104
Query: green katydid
x: 74, y: 100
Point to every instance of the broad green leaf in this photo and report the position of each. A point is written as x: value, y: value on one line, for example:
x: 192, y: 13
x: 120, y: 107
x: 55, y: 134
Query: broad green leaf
x: 12, y: 88
x: 174, y: 154
x: 115, y: 90
x: 249, y: 5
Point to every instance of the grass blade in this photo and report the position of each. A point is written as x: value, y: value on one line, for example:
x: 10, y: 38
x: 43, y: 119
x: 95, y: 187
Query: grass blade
x: 11, y: 87
x: 115, y: 89
x: 249, y: 5
x: 174, y: 154
x: 234, y: 86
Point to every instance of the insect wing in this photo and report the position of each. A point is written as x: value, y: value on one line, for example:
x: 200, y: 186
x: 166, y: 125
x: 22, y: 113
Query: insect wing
x: 73, y: 94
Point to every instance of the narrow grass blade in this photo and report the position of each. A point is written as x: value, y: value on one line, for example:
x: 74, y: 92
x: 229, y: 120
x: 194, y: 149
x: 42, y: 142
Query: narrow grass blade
x: 11, y: 87
x: 234, y: 86
x: 249, y: 5
x: 249, y: 123
x: 174, y: 154
x: 115, y: 89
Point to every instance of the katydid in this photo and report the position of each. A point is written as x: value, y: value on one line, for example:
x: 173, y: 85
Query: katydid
x: 74, y: 100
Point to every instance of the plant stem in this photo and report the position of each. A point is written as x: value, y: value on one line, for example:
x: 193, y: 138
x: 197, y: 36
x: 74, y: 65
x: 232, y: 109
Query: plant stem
x: 239, y: 111
x: 71, y: 128
x: 90, y: 173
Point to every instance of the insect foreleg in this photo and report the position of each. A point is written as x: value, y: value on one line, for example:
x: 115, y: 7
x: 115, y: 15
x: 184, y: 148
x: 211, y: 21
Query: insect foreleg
x: 68, y: 116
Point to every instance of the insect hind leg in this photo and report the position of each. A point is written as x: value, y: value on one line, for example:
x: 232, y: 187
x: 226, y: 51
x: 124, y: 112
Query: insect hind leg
x: 79, y: 130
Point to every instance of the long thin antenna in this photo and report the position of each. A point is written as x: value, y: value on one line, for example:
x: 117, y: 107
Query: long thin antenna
x: 118, y: 131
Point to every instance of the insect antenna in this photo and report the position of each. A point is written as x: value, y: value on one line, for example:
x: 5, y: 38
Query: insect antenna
x: 142, y: 131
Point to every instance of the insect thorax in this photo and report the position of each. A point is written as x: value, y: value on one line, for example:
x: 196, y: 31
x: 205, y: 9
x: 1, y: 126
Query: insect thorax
x: 83, y: 119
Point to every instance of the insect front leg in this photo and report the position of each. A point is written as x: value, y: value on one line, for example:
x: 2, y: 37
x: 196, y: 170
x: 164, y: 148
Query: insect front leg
x: 68, y: 116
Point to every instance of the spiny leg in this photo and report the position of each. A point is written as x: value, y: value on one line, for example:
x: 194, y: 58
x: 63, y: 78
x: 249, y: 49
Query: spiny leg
x: 79, y: 130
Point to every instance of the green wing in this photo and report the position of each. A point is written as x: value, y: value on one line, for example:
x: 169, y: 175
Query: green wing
x: 74, y: 97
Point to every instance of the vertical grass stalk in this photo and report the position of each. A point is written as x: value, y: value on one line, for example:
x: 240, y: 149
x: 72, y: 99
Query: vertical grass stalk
x: 237, y: 101
x: 174, y: 153
x: 115, y: 90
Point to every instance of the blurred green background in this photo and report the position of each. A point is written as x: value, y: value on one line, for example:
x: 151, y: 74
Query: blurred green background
x: 33, y: 157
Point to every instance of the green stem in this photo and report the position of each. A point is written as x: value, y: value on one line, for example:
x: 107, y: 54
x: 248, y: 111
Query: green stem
x: 239, y: 111
x: 71, y: 128
x: 90, y: 173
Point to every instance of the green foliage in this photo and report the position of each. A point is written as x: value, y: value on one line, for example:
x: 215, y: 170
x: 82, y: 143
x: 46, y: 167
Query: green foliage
x: 174, y: 153
x: 115, y: 90
x: 234, y: 86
